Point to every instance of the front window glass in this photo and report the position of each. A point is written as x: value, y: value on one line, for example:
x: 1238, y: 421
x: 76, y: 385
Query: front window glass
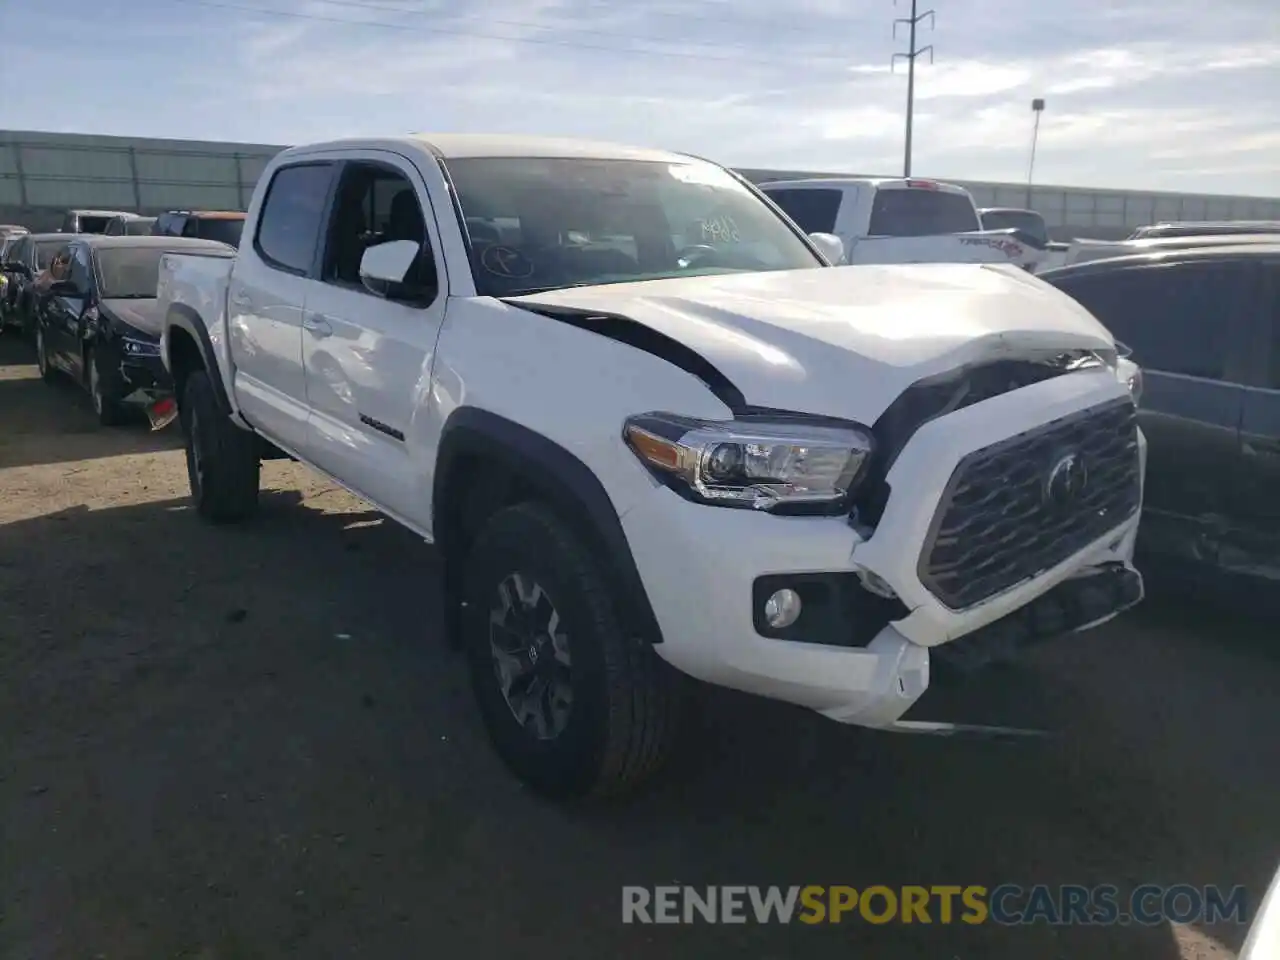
x: 45, y: 249
x: 544, y: 223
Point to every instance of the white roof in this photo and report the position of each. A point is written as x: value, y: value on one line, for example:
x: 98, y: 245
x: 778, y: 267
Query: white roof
x: 454, y: 146
x: 875, y: 183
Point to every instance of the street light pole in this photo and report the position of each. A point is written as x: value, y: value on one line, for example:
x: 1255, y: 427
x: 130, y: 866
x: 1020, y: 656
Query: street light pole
x: 1037, y: 107
x: 910, y: 56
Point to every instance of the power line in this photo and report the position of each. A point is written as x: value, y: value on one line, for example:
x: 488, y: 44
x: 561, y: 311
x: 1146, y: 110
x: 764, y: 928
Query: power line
x: 772, y: 26
x: 382, y: 8
x: 910, y: 56
x: 474, y: 35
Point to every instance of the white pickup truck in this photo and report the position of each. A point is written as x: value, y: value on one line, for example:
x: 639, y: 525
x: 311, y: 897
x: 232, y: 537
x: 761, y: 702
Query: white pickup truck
x: 649, y: 427
x: 902, y: 221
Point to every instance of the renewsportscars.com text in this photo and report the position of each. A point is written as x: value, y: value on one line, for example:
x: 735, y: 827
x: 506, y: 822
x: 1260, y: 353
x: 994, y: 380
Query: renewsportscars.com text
x: 1006, y: 904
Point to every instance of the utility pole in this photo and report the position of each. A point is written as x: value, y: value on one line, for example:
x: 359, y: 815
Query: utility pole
x: 910, y: 56
x: 1037, y: 107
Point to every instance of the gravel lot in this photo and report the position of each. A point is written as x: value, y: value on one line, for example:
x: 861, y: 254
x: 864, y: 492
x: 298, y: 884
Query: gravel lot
x: 252, y: 743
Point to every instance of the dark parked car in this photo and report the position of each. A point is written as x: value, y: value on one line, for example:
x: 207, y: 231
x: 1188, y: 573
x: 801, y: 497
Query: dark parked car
x: 24, y: 262
x: 89, y: 221
x: 221, y: 225
x: 8, y: 279
x: 129, y: 225
x: 98, y: 324
x: 1205, y: 228
x: 1204, y: 324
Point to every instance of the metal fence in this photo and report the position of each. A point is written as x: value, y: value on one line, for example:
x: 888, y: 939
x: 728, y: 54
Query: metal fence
x: 44, y: 174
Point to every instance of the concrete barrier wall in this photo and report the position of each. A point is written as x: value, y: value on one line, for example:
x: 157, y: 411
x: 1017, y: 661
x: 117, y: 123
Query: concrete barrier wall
x: 44, y: 174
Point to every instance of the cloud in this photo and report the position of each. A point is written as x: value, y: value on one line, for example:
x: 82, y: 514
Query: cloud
x: 1171, y: 95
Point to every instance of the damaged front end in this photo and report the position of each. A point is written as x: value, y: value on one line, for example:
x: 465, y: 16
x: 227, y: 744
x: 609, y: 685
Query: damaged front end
x: 159, y: 405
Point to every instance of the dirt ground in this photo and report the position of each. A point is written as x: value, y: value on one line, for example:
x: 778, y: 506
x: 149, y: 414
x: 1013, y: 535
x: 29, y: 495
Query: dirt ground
x: 252, y: 743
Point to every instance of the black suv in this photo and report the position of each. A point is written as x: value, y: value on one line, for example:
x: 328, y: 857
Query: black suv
x: 1204, y: 325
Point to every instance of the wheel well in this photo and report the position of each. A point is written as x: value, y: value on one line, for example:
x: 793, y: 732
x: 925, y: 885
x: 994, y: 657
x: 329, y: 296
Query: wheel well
x: 184, y: 358
x: 477, y: 486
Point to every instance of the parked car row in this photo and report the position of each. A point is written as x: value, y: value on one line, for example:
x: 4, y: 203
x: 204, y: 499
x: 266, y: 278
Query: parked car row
x: 89, y: 303
x: 221, y: 225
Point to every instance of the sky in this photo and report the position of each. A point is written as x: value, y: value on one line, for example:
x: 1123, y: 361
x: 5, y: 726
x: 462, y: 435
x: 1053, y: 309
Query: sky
x: 1172, y: 95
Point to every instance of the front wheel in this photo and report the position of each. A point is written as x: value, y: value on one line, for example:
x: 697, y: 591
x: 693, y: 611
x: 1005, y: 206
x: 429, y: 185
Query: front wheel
x: 47, y: 373
x: 575, y: 704
x: 223, y: 467
x: 105, y: 405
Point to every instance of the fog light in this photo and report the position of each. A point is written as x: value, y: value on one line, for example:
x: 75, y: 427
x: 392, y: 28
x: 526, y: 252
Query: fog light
x: 782, y: 609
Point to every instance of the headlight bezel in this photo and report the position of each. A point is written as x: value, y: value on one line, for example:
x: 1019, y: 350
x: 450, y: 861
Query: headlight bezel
x: 142, y: 349
x: 677, y: 451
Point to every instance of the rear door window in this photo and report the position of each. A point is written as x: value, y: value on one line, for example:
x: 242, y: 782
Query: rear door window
x: 814, y: 211
x: 289, y: 225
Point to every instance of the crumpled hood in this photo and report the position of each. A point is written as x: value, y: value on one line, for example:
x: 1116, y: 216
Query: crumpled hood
x: 143, y: 315
x: 846, y: 341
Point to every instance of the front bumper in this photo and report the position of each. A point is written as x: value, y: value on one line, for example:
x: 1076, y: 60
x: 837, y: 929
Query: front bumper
x: 700, y: 565
x: 143, y: 380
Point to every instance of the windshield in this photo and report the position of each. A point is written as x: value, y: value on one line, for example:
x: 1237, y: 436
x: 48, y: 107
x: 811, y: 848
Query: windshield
x: 919, y: 212
x: 130, y: 272
x: 538, y: 224
x: 45, y: 249
x: 1028, y: 221
x: 222, y: 230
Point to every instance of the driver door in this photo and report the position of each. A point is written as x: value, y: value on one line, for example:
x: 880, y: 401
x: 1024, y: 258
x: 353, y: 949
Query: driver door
x: 59, y: 315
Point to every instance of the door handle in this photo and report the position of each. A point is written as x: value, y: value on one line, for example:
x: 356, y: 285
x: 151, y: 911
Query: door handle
x: 317, y: 325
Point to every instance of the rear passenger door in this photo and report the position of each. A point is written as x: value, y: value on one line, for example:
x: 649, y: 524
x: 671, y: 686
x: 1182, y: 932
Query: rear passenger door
x: 266, y: 296
x: 1181, y: 322
x: 1256, y: 545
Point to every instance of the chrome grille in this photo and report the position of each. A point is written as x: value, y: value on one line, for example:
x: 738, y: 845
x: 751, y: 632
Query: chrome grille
x: 1001, y: 522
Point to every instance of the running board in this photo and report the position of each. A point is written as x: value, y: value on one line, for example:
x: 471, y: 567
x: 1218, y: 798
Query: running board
x: 938, y: 729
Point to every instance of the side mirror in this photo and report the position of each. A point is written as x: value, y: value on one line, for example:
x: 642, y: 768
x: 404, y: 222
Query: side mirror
x: 384, y: 267
x: 830, y: 246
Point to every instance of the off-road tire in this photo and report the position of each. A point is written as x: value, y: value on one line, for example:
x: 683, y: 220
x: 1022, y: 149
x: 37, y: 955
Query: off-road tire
x: 223, y: 467
x: 627, y: 702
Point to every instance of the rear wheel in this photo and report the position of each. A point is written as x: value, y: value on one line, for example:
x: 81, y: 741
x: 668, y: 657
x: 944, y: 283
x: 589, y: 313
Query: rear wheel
x: 575, y: 704
x: 223, y: 466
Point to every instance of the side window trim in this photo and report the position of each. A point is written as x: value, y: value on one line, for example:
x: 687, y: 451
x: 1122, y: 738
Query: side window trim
x: 317, y: 245
x: 406, y: 168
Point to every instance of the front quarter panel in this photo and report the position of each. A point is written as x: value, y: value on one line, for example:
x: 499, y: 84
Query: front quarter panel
x: 569, y: 385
